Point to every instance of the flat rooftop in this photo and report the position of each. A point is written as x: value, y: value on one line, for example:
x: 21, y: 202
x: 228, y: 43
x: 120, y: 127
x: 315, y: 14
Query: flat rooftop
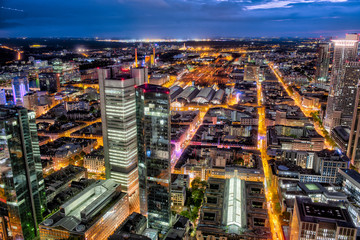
x: 322, y: 212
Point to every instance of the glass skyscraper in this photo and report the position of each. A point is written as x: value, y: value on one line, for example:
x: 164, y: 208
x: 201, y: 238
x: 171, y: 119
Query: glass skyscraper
x: 20, y: 86
x: 22, y: 193
x: 322, y: 63
x: 153, y: 126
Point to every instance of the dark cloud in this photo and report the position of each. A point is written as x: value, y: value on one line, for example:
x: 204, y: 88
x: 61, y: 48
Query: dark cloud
x: 177, y: 18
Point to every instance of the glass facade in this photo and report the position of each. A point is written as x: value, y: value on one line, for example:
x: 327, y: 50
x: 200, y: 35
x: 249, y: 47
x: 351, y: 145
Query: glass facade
x: 20, y: 86
x: 22, y: 192
x: 153, y: 126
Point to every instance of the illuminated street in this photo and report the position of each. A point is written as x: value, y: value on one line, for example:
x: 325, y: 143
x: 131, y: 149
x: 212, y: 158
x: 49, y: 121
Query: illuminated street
x: 275, y: 225
x: 307, y: 111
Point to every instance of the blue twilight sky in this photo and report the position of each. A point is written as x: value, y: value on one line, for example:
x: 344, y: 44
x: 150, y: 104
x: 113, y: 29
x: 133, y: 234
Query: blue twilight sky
x: 178, y: 18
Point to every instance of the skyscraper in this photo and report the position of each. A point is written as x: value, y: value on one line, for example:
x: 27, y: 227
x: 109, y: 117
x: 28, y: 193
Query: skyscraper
x: 22, y: 192
x: 117, y: 95
x: 344, y: 51
x: 353, y: 151
x: 322, y: 63
x: 140, y: 74
x: 20, y: 86
x: 153, y: 125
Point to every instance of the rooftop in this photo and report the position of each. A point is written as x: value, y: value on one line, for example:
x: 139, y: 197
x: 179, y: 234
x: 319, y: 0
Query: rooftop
x: 81, y: 212
x: 154, y: 88
x: 322, y: 212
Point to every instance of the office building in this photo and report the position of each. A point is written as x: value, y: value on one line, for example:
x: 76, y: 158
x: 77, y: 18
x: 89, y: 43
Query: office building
x: 341, y: 135
x: 251, y: 73
x: 140, y: 74
x: 322, y: 63
x: 351, y: 187
x: 20, y: 86
x: 353, y: 147
x: 117, y: 97
x: 328, y: 162
x: 93, y: 214
x: 2, y: 97
x: 234, y: 209
x: 22, y: 186
x: 154, y: 152
x: 31, y: 101
x: 49, y: 82
x: 342, y: 82
x: 320, y: 221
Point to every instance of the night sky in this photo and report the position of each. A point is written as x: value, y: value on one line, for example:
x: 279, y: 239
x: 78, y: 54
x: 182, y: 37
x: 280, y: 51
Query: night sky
x: 178, y: 18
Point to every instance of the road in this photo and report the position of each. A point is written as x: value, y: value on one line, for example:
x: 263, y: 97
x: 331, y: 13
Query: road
x: 274, y: 220
x: 15, y: 50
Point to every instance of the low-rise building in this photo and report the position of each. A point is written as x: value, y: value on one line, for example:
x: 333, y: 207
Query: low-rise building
x: 93, y: 214
x: 320, y: 221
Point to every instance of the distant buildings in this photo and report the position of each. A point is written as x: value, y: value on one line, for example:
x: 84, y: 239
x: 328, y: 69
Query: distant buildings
x: 319, y: 221
x: 251, y: 73
x: 93, y: 214
x: 22, y: 189
x: 117, y: 95
x: 153, y: 125
x: 339, y: 108
x: 49, y: 82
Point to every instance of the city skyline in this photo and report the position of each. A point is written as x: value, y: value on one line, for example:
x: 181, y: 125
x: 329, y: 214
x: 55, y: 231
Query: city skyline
x: 179, y: 18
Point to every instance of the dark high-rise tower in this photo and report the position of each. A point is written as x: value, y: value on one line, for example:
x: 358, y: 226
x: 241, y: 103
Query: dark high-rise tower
x: 153, y: 125
x: 22, y: 192
x: 322, y: 63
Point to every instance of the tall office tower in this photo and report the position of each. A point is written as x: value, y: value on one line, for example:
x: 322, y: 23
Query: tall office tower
x: 344, y: 51
x: 49, y: 82
x: 20, y: 86
x: 117, y: 97
x: 153, y: 125
x: 322, y: 63
x: 353, y: 150
x: 140, y: 75
x: 22, y: 191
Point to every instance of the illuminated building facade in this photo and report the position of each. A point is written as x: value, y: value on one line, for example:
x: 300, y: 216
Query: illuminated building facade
x: 22, y: 192
x: 320, y: 221
x: 140, y: 75
x: 20, y: 86
x: 353, y: 150
x: 93, y: 214
x: 117, y: 95
x: 344, y: 51
x: 153, y: 124
x: 322, y: 63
